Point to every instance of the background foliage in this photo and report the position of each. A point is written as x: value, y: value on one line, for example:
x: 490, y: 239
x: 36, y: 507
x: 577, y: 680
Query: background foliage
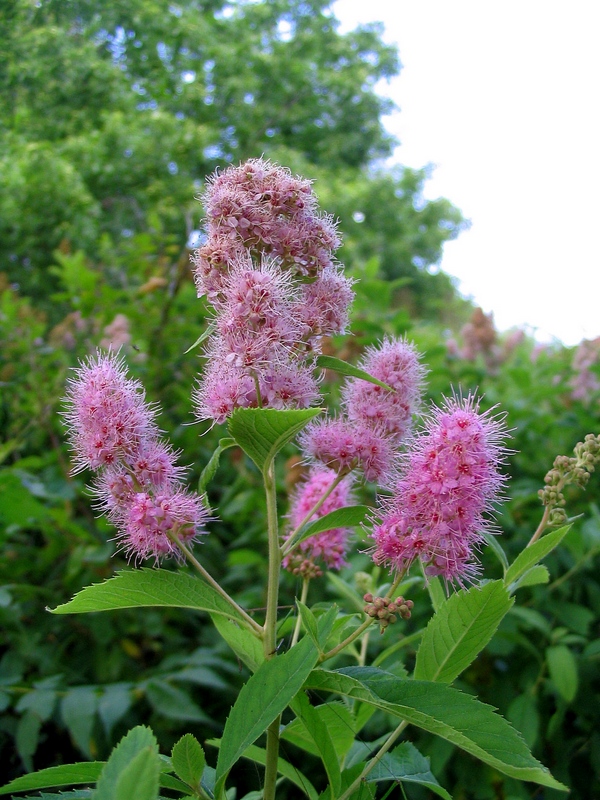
x: 111, y: 116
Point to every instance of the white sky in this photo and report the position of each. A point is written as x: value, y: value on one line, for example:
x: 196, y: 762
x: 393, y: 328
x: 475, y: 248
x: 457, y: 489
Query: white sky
x: 504, y: 98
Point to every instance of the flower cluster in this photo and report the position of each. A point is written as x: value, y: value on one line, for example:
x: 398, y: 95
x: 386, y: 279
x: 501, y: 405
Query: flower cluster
x: 267, y: 269
x: 113, y: 432
x: 450, y: 480
x: 375, y: 420
x: 329, y: 546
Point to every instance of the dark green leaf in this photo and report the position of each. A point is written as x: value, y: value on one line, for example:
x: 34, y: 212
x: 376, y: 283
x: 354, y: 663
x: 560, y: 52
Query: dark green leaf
x: 339, y: 722
x: 113, y: 704
x: 563, y: 670
x: 172, y: 702
x: 347, y: 517
x: 523, y: 714
x: 459, y: 630
x: 78, y: 710
x: 263, y: 432
x: 405, y: 763
x: 65, y: 775
x: 318, y: 730
x: 261, y: 700
x: 444, y: 711
x: 343, y: 368
x: 188, y: 760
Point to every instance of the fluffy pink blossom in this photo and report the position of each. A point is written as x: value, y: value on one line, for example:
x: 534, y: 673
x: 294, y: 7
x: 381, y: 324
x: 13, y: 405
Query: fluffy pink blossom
x: 396, y: 363
x: 107, y: 418
x: 328, y: 546
x: 138, y: 485
x: 449, y: 483
x: 343, y: 446
x: 323, y: 306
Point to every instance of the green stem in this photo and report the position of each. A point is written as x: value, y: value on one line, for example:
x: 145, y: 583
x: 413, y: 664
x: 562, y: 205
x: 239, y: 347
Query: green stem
x: 303, y: 596
x: 289, y: 545
x: 374, y: 761
x: 254, y: 626
x: 270, y: 626
x: 541, y: 527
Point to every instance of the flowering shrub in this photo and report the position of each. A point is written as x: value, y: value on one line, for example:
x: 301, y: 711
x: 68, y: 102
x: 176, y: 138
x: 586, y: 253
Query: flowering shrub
x: 268, y: 272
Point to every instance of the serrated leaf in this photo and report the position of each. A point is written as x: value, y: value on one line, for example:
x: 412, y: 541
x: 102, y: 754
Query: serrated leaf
x: 78, y: 709
x: 309, y: 621
x: 263, y: 432
x: 261, y: 700
x: 318, y: 731
x: 131, y: 745
x: 459, y: 718
x: 459, y: 630
x: 149, y: 587
x: 534, y: 553
x: 243, y: 643
x: 405, y: 763
x: 563, y: 670
x: 208, y: 473
x: 188, y: 760
x: 349, y: 371
x: 533, y: 577
x: 339, y: 722
x: 174, y: 703
x: 259, y: 756
x: 74, y: 794
x: 64, y: 775
x: 346, y: 517
x: 139, y: 779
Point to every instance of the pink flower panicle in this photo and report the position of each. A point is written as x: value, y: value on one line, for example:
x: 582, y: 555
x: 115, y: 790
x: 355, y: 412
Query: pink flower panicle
x: 343, y: 446
x: 138, y: 486
x: 329, y: 546
x: 396, y: 363
x: 449, y: 484
x: 267, y: 268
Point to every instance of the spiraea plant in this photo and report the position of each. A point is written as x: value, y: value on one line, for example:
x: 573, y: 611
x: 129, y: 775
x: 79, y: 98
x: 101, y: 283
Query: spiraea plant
x: 268, y: 269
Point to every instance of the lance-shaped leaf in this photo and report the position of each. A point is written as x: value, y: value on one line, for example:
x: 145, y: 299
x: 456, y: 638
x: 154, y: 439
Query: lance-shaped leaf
x: 346, y: 517
x: 149, y: 587
x: 439, y: 709
x: 84, y: 773
x: 349, y: 371
x: 261, y: 700
x: 459, y: 630
x: 208, y: 331
x: 263, y: 432
x: 188, y: 760
x: 534, y: 553
x: 405, y: 763
x: 208, y: 473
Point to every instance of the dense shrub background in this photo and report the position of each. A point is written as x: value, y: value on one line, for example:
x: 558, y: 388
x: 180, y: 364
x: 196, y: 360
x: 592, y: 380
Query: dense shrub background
x: 96, y: 106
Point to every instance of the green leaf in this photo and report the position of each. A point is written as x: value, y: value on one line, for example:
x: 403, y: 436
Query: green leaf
x: 436, y: 592
x: 188, y: 760
x: 523, y: 714
x: 263, y: 432
x: 338, y: 720
x: 309, y: 621
x: 208, y: 473
x: 348, y: 370
x: 78, y: 709
x: 208, y: 331
x: 138, y: 740
x: 405, y: 763
x: 318, y: 731
x: 347, y: 517
x: 113, y: 704
x: 149, y: 587
x: 174, y: 703
x: 460, y: 629
x: 534, y: 553
x: 444, y: 711
x: 243, y: 643
x: 139, y: 779
x: 261, y: 700
x: 27, y: 737
x: 563, y: 670
x: 533, y: 577
x: 259, y: 756
x: 496, y: 548
x: 66, y: 775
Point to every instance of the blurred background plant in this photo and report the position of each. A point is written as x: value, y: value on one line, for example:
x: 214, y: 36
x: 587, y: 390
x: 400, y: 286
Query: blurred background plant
x: 111, y: 117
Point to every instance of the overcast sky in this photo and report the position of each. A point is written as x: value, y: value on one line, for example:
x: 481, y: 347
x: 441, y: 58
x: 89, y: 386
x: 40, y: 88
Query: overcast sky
x: 504, y: 99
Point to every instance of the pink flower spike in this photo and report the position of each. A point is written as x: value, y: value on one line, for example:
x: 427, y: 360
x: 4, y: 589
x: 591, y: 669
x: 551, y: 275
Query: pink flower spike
x: 328, y: 546
x: 396, y: 363
x: 107, y: 417
x: 448, y: 487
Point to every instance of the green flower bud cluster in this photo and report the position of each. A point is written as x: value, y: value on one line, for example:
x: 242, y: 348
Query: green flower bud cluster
x: 576, y: 470
x: 385, y: 610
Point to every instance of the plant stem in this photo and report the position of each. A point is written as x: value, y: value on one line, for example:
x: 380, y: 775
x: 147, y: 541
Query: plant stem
x: 270, y: 626
x: 541, y: 527
x: 303, y: 596
x: 254, y: 626
x: 342, y: 645
x: 291, y: 540
x: 374, y: 761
